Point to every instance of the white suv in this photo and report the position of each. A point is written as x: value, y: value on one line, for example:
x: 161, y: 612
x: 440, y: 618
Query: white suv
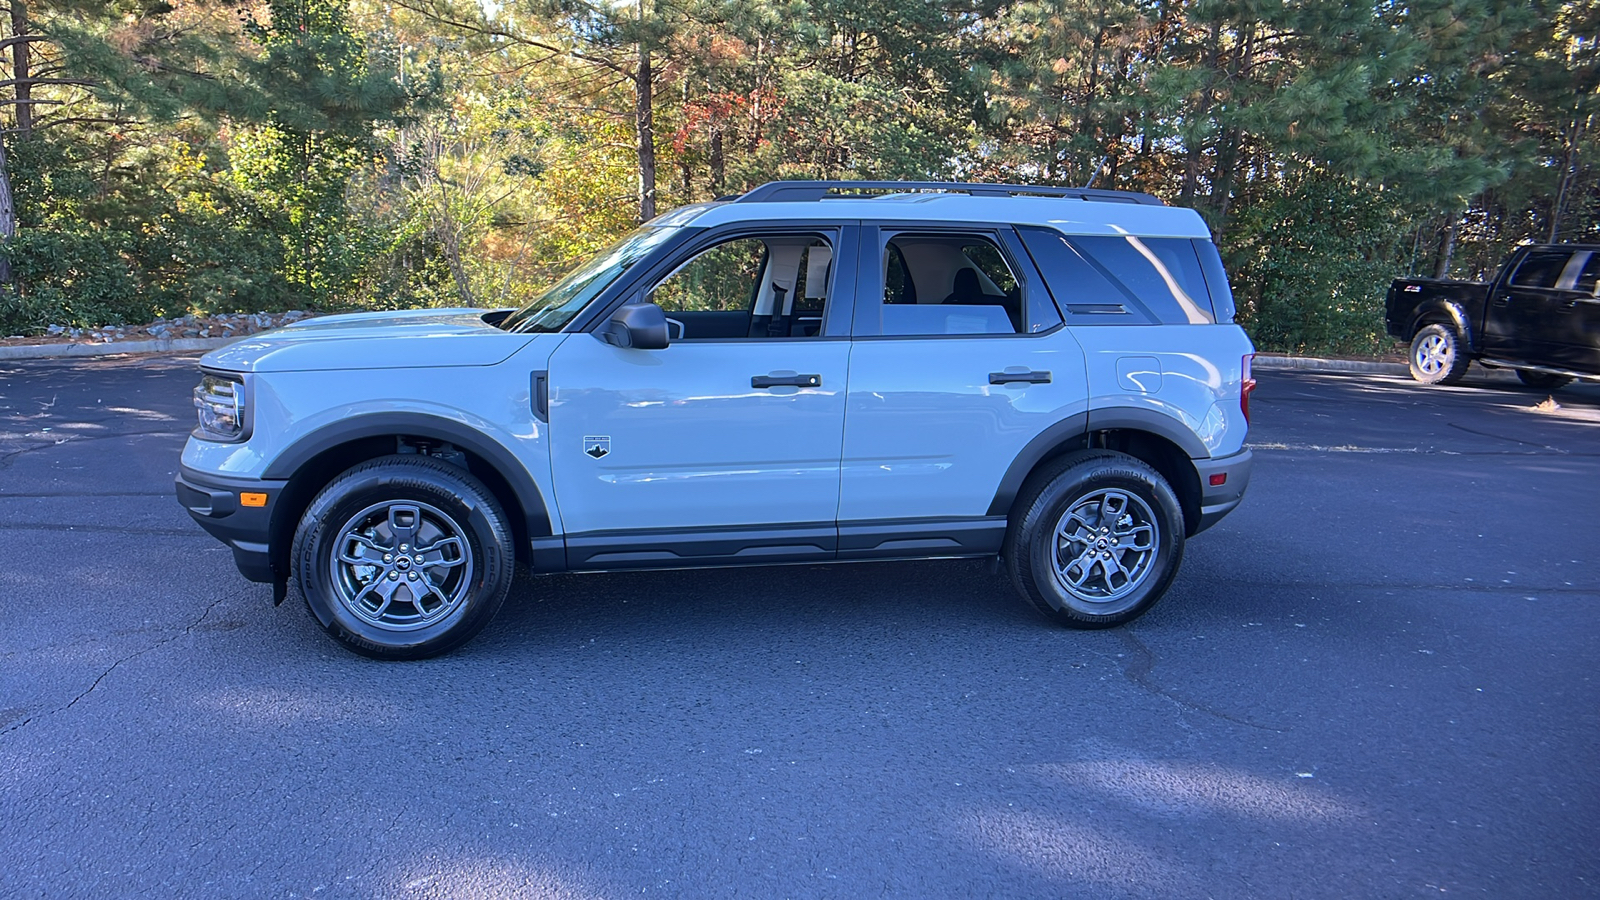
x: 814, y: 371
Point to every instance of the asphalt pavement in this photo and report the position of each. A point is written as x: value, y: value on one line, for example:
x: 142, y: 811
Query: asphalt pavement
x: 1375, y: 679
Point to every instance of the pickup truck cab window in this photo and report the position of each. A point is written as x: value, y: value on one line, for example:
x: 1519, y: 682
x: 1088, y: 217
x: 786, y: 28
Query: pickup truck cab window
x: 1541, y: 269
x: 1588, y: 282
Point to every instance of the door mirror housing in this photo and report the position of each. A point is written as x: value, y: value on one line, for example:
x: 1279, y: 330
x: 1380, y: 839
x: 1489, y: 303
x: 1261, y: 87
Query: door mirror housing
x: 640, y: 326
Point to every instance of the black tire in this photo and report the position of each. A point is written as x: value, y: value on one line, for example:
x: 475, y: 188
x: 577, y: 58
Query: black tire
x: 1041, y: 563
x: 1544, y: 381
x: 1438, y: 355
x: 454, y: 572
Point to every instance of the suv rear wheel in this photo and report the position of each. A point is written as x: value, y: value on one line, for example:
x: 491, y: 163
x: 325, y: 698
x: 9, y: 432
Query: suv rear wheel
x: 1437, y: 356
x: 404, y: 557
x: 1095, y: 540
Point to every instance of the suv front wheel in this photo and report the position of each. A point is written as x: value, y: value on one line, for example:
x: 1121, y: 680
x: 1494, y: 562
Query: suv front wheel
x: 1095, y: 540
x: 404, y: 557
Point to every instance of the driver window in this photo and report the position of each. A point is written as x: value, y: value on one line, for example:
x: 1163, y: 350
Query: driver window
x: 752, y: 287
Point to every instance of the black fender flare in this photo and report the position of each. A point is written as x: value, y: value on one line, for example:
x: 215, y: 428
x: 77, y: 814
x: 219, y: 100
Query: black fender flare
x: 421, y: 425
x: 1436, y: 309
x: 1066, y: 434
x: 1070, y: 434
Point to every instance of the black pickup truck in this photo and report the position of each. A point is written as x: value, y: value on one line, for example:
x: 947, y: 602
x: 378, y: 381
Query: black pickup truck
x: 1540, y: 315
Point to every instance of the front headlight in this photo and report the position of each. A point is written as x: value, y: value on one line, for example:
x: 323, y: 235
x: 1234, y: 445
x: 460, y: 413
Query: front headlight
x: 220, y: 402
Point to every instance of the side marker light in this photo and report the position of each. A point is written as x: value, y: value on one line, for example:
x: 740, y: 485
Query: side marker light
x: 1219, y: 478
x: 249, y: 499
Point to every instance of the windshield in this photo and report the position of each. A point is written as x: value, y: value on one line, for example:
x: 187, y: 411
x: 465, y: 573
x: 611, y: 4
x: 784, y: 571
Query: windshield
x: 554, y: 308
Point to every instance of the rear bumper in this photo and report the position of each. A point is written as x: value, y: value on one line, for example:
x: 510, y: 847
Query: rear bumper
x: 213, y: 502
x: 1217, y: 500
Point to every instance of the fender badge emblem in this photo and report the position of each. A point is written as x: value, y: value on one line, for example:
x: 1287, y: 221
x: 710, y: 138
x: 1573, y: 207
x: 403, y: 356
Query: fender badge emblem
x: 596, y: 445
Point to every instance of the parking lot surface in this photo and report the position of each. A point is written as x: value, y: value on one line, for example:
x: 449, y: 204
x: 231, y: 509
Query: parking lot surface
x: 1375, y: 679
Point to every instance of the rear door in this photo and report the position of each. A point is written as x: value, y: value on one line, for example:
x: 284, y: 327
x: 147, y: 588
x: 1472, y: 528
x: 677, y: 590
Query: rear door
x: 958, y: 360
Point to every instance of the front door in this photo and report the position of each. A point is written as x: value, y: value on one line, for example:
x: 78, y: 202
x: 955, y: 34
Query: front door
x: 1528, y: 312
x: 725, y: 445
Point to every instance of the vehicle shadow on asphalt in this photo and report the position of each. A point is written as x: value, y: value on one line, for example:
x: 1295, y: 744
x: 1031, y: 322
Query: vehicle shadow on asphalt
x: 948, y: 594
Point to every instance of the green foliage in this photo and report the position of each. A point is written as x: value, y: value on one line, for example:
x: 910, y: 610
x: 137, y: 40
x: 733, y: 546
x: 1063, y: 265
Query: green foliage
x: 342, y: 154
x: 1311, y: 274
x: 117, y: 229
x: 74, y: 278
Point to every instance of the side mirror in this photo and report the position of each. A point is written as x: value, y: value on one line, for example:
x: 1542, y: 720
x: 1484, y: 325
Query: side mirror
x: 641, y: 326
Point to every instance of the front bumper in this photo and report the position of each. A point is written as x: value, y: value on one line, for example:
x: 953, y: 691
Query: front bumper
x: 1217, y: 501
x: 213, y: 501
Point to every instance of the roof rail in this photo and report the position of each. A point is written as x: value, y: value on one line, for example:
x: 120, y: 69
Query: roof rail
x: 802, y: 191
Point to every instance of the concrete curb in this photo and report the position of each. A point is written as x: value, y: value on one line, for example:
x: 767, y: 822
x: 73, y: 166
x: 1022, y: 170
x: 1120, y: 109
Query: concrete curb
x: 52, y: 351
x: 1313, y: 364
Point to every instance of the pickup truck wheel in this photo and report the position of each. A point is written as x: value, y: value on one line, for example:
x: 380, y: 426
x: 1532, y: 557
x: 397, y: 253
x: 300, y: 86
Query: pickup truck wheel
x: 1544, y: 381
x: 1437, y: 356
x: 404, y: 557
x: 1095, y: 540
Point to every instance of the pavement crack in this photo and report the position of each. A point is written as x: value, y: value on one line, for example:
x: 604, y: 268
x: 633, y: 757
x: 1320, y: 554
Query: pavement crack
x: 6, y: 459
x: 1501, y: 437
x: 187, y: 629
x: 56, y: 495
x: 1137, y: 668
x: 1330, y: 448
x: 1476, y: 587
x: 103, y: 529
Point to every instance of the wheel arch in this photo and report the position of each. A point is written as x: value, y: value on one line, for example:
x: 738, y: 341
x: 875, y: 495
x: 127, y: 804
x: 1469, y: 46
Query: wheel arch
x: 1442, y: 312
x: 1141, y: 434
x: 308, y: 464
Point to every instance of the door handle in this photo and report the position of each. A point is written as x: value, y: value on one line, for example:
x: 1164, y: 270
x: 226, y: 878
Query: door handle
x: 772, y: 381
x: 1022, y: 377
x: 541, y: 395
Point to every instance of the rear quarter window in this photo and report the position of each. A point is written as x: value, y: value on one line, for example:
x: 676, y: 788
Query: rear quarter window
x: 1086, y: 295
x: 1216, y: 280
x: 1164, y: 274
x: 1131, y: 280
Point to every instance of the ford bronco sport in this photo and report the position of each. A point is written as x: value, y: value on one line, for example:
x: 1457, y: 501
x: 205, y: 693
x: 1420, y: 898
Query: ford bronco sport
x: 811, y: 372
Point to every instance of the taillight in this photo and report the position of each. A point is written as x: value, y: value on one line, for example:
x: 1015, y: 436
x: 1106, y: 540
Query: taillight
x: 1246, y: 387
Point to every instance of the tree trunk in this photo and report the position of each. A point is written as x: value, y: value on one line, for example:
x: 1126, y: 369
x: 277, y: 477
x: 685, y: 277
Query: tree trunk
x: 1222, y: 179
x: 1224, y: 175
x: 1569, y: 169
x: 1447, y: 249
x: 719, y: 164
x: 8, y: 222
x: 644, y: 124
x: 22, y: 68
x: 22, y: 73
